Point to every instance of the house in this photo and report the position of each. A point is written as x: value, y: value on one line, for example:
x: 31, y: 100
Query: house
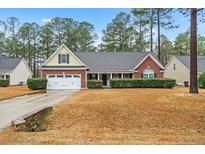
x: 179, y: 68
x: 65, y: 69
x: 15, y: 70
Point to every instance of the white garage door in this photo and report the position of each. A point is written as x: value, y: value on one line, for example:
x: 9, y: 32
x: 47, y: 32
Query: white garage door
x: 63, y: 81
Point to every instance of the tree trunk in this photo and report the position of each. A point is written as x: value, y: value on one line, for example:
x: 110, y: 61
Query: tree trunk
x: 151, y: 28
x: 140, y: 29
x: 158, y: 25
x: 13, y: 35
x: 29, y: 50
x: 193, y: 52
x: 34, y: 53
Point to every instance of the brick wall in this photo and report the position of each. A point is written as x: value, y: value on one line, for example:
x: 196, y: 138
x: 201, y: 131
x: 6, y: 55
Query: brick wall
x: 148, y: 62
x: 82, y: 73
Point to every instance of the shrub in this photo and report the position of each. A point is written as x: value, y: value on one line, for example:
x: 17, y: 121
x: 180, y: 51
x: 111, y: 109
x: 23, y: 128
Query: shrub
x: 95, y: 83
x: 4, y: 83
x: 201, y: 80
x: 37, y: 83
x: 143, y: 83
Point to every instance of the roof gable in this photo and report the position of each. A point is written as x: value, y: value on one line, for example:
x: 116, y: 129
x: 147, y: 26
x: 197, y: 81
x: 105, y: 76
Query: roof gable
x: 153, y: 58
x: 186, y: 61
x: 8, y: 64
x: 53, y: 59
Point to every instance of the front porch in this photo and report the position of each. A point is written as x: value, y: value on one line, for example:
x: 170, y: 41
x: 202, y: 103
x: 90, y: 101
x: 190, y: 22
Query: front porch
x: 5, y: 77
x: 105, y: 77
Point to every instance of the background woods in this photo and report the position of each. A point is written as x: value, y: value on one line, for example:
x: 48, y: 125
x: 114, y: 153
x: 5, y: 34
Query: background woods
x: 138, y: 30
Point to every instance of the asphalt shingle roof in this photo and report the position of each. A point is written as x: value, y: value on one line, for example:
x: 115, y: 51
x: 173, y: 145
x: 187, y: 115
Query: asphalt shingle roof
x: 186, y: 61
x: 8, y: 64
x: 111, y: 61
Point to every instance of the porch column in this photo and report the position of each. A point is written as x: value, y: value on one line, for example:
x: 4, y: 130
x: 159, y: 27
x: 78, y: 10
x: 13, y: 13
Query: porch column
x: 98, y: 76
x: 121, y: 75
x: 110, y: 75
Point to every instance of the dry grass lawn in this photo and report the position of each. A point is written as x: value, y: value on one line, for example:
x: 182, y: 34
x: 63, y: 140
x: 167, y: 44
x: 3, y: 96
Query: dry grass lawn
x: 122, y: 116
x: 13, y: 91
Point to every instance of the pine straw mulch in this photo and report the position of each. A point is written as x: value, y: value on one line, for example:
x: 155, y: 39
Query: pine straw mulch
x: 14, y: 91
x: 122, y: 116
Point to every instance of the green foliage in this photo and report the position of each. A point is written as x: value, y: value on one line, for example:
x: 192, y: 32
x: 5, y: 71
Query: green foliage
x: 86, y: 35
x: 201, y: 45
x: 95, y: 83
x: 46, y: 39
x: 201, y: 80
x: 36, y: 43
x: 167, y: 49
x: 119, y: 34
x: 4, y: 83
x: 143, y: 83
x: 37, y: 83
x: 140, y: 23
x: 182, y: 44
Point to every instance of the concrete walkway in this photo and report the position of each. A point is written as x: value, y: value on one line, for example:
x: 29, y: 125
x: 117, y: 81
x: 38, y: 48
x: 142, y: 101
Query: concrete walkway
x: 11, y: 109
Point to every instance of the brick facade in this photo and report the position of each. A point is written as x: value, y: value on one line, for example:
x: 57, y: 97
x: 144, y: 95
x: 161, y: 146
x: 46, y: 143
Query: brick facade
x: 152, y: 65
x: 148, y: 63
x: 82, y: 73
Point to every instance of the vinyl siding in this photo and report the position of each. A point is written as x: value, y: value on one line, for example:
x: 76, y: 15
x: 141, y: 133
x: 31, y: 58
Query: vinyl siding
x: 72, y: 60
x: 20, y: 74
x: 181, y: 72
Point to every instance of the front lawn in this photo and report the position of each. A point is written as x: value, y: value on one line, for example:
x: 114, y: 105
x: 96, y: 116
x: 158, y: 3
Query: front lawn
x: 122, y: 116
x: 14, y: 91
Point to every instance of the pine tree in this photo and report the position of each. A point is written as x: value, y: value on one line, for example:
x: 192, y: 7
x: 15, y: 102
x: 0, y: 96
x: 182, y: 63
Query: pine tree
x: 116, y: 36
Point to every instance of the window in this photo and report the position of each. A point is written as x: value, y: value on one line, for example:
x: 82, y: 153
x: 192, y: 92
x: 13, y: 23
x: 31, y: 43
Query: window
x: 1, y: 76
x: 51, y: 76
x: 174, y: 66
x: 68, y: 76
x: 116, y: 75
x: 145, y: 75
x: 63, y: 58
x: 92, y: 76
x: 148, y: 73
x: 76, y: 76
x: 59, y: 76
x: 7, y: 77
x: 127, y: 75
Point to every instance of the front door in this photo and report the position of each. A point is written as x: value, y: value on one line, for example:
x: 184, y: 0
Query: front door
x: 104, y: 78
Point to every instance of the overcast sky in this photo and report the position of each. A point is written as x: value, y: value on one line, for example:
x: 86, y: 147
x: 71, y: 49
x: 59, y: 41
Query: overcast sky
x: 98, y: 17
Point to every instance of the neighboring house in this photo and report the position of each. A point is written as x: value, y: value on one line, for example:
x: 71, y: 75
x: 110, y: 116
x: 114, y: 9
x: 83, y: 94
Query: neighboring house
x: 65, y: 69
x: 15, y: 70
x: 179, y: 68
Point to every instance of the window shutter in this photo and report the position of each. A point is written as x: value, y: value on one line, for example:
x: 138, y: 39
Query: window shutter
x: 59, y: 58
x: 67, y: 58
x: 141, y: 75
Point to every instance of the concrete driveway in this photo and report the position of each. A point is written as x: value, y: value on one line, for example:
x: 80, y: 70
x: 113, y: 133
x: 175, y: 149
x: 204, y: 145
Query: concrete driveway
x: 11, y: 109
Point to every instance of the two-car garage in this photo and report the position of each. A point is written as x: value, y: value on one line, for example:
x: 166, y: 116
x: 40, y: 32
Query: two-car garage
x: 64, y: 81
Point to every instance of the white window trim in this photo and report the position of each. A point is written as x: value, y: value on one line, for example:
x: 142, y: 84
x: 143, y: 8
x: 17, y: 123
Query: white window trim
x: 57, y: 51
x: 47, y: 76
x: 64, y: 58
x: 148, y: 74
